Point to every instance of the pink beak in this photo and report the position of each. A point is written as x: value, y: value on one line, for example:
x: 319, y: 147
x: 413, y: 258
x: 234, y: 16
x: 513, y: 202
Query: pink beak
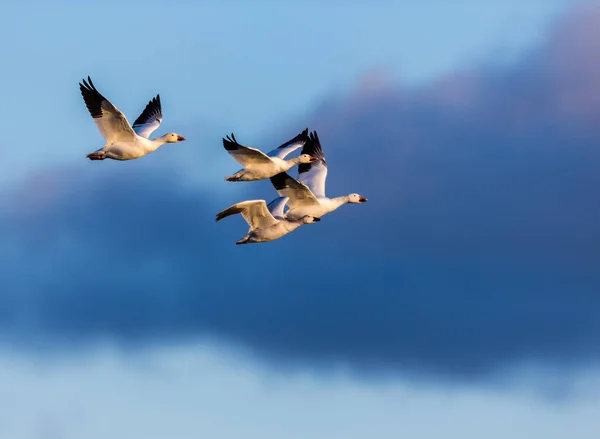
x: 180, y: 138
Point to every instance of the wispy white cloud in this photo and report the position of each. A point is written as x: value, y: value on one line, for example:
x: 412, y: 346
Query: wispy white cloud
x: 190, y: 391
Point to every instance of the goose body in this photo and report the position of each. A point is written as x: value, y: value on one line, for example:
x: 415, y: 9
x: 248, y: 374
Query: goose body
x: 306, y: 195
x: 123, y: 141
x: 258, y: 165
x: 267, y: 223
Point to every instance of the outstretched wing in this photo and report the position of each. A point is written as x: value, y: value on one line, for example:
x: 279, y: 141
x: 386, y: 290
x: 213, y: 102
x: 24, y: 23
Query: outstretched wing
x: 244, y: 155
x: 298, y: 193
x: 290, y: 146
x: 277, y: 206
x: 110, y: 121
x: 150, y: 118
x: 314, y: 174
x: 255, y: 213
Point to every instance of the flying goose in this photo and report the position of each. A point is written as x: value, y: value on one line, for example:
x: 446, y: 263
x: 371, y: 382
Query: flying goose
x: 306, y: 196
x: 258, y: 165
x: 124, y: 142
x: 266, y: 223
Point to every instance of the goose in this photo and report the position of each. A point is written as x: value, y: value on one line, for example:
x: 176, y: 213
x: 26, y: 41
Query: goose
x: 258, y: 165
x: 267, y: 223
x: 124, y: 142
x: 306, y: 195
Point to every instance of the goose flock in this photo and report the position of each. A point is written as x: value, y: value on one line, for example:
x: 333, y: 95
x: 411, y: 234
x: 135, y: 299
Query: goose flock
x: 304, y: 196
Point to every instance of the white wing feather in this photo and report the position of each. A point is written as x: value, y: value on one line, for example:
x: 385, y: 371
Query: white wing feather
x: 314, y: 174
x: 298, y: 193
x: 111, y: 123
x: 244, y: 155
x: 255, y: 213
x: 291, y: 145
x: 150, y: 119
x: 277, y: 206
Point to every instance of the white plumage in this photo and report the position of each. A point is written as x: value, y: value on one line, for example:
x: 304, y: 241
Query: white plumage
x: 258, y: 165
x: 124, y: 142
x: 266, y: 223
x: 306, y: 195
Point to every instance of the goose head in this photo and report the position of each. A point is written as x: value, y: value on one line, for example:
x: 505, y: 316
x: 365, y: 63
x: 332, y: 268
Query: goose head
x: 355, y: 198
x: 309, y: 219
x: 173, y: 138
x: 306, y: 158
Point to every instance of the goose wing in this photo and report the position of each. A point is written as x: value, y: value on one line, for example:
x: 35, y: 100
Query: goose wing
x: 110, y: 121
x: 255, y: 213
x: 277, y: 206
x: 244, y: 155
x: 314, y: 174
x: 150, y: 119
x: 290, y: 146
x: 298, y: 193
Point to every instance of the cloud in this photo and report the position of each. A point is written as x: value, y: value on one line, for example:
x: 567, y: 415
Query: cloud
x: 479, y: 247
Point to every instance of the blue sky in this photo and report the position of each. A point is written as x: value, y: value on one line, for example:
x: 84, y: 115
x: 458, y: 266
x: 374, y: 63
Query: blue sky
x: 225, y: 66
x: 460, y: 301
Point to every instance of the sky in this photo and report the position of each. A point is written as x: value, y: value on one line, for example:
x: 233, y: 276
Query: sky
x: 460, y: 301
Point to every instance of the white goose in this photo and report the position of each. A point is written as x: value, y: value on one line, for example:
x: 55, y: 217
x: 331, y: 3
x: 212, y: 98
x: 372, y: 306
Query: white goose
x: 306, y: 196
x: 266, y: 223
x: 258, y: 165
x: 124, y: 142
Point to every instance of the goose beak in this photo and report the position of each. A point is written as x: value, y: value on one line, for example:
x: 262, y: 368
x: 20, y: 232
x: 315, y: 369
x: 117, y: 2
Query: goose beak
x: 316, y: 220
x: 362, y: 200
x: 313, y: 159
x: 180, y: 138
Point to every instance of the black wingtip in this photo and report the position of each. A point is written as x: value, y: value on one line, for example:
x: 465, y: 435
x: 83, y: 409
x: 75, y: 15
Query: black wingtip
x: 302, y: 137
x: 84, y: 85
x: 220, y: 215
x: 153, y: 110
x: 315, y: 138
x: 89, y: 84
x: 313, y: 148
x: 230, y: 143
x: 92, y: 97
x: 279, y: 181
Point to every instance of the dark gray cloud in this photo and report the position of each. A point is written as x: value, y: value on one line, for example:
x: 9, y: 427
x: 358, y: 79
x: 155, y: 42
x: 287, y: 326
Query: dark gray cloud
x: 479, y: 247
